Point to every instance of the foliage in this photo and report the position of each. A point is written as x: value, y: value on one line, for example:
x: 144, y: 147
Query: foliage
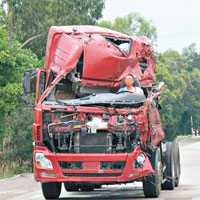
x: 192, y: 57
x: 13, y: 61
x: 133, y: 24
x: 15, y: 121
x: 17, y: 153
x: 180, y: 99
x: 168, y: 70
x: 33, y: 18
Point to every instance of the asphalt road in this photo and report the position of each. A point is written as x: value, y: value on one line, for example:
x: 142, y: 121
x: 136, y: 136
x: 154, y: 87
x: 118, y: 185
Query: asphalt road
x: 23, y: 187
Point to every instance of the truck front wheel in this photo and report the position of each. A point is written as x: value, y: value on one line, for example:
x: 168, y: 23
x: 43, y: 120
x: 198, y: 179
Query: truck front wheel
x: 51, y: 190
x: 71, y: 187
x: 152, y: 185
x: 87, y: 188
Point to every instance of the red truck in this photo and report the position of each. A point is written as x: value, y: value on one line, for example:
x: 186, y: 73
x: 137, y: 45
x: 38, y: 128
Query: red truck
x: 86, y: 133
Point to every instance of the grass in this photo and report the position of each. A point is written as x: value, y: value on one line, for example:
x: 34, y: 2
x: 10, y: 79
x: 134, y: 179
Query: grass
x: 7, y: 175
x: 180, y: 137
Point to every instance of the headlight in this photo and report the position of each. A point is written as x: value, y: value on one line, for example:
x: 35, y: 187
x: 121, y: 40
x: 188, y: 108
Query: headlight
x: 138, y: 163
x: 141, y: 158
x: 43, y: 162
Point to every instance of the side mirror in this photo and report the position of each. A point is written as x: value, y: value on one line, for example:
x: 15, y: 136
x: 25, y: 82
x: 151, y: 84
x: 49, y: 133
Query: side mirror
x: 33, y: 84
x: 29, y: 84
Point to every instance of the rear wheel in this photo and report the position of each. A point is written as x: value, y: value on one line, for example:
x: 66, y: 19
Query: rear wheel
x: 71, y: 187
x: 51, y: 190
x: 169, y: 160
x: 151, y: 186
x: 177, y: 164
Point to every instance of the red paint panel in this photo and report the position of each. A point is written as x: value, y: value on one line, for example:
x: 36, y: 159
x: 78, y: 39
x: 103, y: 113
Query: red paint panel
x: 156, y: 130
x: 91, y: 157
x: 66, y: 54
x: 103, y: 63
x: 91, y: 165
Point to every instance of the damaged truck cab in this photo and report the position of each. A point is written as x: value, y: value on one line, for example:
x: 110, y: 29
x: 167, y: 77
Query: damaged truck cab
x: 86, y: 133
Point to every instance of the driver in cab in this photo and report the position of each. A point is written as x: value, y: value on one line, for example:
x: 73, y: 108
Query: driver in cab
x: 129, y: 86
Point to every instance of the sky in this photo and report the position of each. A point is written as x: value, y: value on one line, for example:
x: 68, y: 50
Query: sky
x: 177, y: 21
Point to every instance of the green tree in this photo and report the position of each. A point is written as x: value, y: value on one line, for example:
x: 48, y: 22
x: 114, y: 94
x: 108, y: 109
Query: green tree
x: 180, y: 99
x: 30, y: 20
x: 191, y: 95
x: 175, y: 62
x: 172, y: 99
x: 13, y: 61
x: 192, y: 57
x: 191, y: 100
x: 133, y: 24
x: 15, y: 121
x: 17, y: 152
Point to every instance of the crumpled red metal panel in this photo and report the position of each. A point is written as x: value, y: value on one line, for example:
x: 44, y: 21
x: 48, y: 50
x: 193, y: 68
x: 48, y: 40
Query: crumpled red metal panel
x: 65, y: 54
x: 156, y: 130
x: 104, y: 64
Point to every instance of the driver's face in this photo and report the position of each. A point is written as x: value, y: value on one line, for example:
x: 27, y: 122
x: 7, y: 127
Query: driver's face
x: 129, y: 81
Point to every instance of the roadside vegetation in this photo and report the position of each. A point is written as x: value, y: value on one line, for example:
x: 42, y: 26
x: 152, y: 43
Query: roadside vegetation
x: 182, y: 137
x: 23, y: 32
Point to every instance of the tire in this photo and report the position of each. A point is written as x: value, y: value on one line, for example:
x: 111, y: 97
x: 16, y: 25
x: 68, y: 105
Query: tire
x: 71, y: 187
x: 87, y: 188
x: 177, y: 164
x: 169, y: 160
x: 152, y: 185
x: 51, y: 190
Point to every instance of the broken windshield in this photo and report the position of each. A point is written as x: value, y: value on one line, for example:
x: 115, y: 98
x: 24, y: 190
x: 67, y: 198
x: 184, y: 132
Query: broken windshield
x: 124, y: 45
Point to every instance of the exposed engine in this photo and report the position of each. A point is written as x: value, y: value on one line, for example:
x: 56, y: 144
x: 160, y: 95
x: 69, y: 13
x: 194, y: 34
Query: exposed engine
x: 89, y: 133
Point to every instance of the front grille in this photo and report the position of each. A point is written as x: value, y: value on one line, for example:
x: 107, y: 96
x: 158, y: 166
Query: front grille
x: 93, y: 175
x: 71, y: 165
x: 112, y: 165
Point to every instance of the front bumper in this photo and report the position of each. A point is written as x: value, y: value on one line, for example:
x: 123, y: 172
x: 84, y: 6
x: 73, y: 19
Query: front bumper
x: 91, y: 171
